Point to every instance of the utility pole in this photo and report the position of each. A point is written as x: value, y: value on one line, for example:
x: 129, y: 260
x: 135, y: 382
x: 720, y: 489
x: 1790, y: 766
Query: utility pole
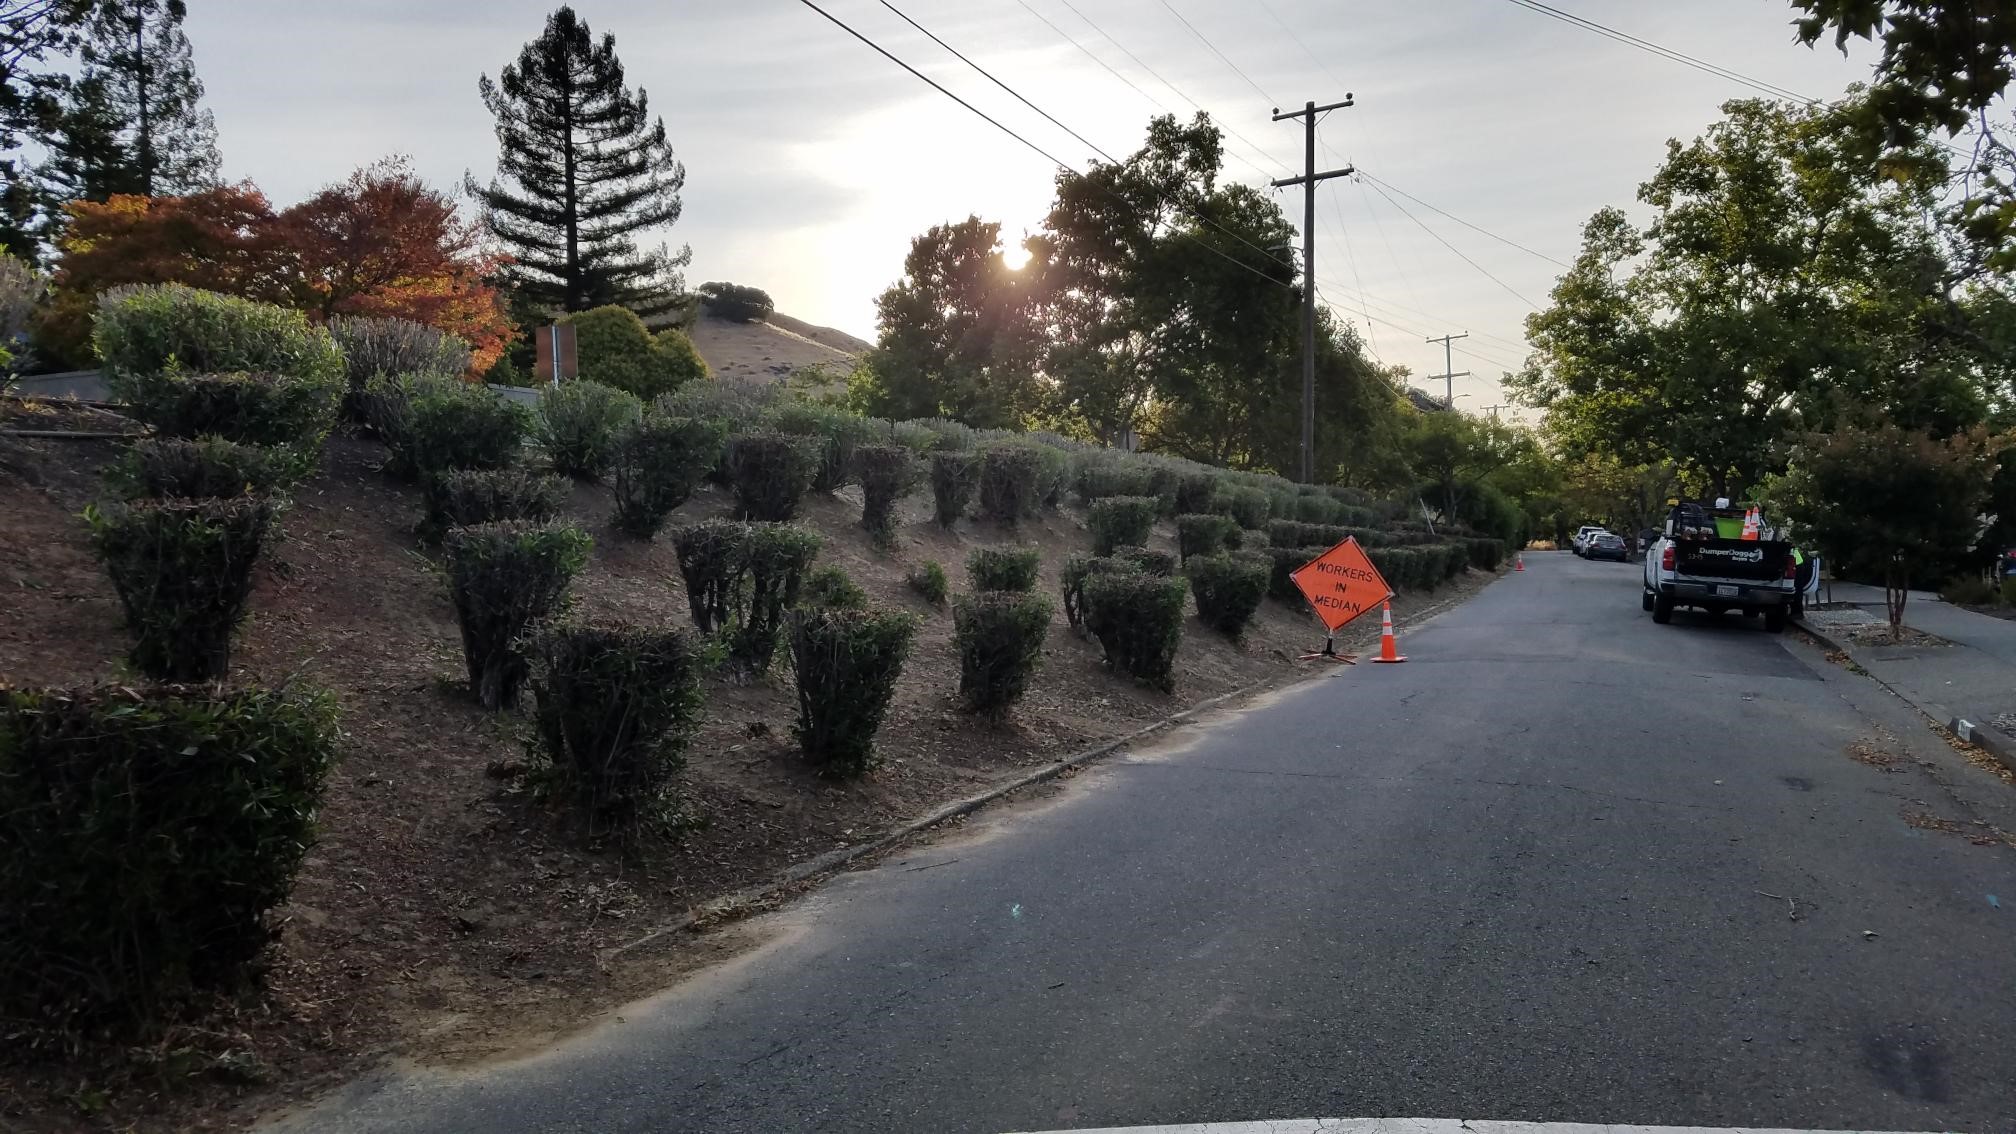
x: 1449, y: 374
x: 1493, y: 410
x: 1308, y: 182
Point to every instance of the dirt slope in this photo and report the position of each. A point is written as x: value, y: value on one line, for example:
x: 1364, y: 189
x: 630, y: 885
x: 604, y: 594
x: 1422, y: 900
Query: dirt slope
x: 767, y: 352
x: 445, y: 914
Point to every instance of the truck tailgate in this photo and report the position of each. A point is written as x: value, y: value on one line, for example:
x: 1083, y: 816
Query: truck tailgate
x: 1748, y: 559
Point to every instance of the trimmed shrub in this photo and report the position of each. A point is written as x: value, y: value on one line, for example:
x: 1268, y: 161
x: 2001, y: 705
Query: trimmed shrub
x: 1162, y: 482
x: 1370, y: 537
x: 459, y: 426
x: 830, y: 588
x: 1240, y: 540
x: 252, y: 409
x: 713, y: 558
x: 1203, y: 534
x: 1138, y: 619
x: 930, y: 582
x: 1228, y: 590
x: 462, y: 498
x: 847, y: 663
x: 1248, y: 506
x: 770, y: 473
x: 778, y: 555
x: 737, y: 303
x: 659, y: 461
x: 1485, y: 553
x: 1317, y: 509
x: 1009, y: 473
x: 954, y: 476
x: 1404, y: 568
x: 579, y: 423
x: 183, y: 571
x: 147, y: 836
x: 1053, y: 473
x: 617, y: 706
x: 1286, y: 561
x: 504, y: 578
x: 1295, y: 533
x: 737, y: 405
x: 614, y: 348
x: 1120, y: 521
x: 1356, y: 516
x: 147, y: 333
x: 1194, y: 492
x: 211, y: 467
x: 375, y: 346
x: 1152, y: 561
x: 887, y: 474
x: 835, y: 432
x: 1000, y: 636
x: 1101, y: 473
x: 1004, y: 568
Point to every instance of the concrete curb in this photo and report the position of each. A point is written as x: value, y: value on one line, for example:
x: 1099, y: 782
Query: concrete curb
x: 834, y: 859
x: 1993, y: 741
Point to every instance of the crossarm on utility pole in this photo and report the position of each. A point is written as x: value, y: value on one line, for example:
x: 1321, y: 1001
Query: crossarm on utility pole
x: 1308, y: 182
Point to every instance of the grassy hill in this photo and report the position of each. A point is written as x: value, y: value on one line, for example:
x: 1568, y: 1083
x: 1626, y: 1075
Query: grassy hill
x: 770, y: 350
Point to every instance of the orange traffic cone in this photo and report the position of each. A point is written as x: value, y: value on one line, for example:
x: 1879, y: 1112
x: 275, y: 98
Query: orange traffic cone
x: 1519, y: 563
x: 1389, y: 647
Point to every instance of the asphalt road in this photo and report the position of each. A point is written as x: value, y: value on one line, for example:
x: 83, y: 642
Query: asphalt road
x: 1539, y: 872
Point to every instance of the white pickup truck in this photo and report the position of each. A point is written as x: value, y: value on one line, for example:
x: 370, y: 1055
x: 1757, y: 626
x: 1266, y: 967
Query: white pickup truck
x: 1696, y: 563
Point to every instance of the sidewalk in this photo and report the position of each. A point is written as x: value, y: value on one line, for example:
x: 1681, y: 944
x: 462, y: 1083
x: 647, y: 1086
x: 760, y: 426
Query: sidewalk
x: 1968, y: 684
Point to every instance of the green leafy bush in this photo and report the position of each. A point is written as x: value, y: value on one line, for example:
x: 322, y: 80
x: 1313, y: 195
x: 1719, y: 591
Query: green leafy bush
x: 1406, y: 568
x: 999, y: 635
x: 930, y: 582
x: 831, y: 588
x: 659, y: 461
x: 617, y: 706
x: 1317, y: 510
x: 1194, y: 492
x: 252, y: 409
x: 1151, y: 560
x: 778, y: 555
x: 146, y: 838
x: 377, y: 347
x: 579, y: 423
x: 1296, y: 533
x: 1009, y: 472
x: 1121, y: 521
x: 738, y: 303
x: 1228, y: 590
x: 954, y: 476
x: 1286, y: 561
x: 713, y: 559
x: 770, y: 473
x: 1101, y: 473
x: 613, y: 347
x: 1138, y: 619
x: 887, y: 474
x: 1248, y: 506
x: 456, y: 426
x: 739, y: 406
x: 504, y: 578
x: 461, y: 498
x: 1053, y: 473
x: 212, y: 467
x: 1485, y: 553
x: 1240, y: 540
x: 1355, y: 516
x: 1203, y: 534
x: 2009, y: 592
x: 183, y: 571
x: 835, y: 433
x: 1004, y: 568
x: 847, y: 664
x: 146, y: 333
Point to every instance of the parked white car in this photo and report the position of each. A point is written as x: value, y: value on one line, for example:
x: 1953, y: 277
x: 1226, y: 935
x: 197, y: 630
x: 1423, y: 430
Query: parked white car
x: 1580, y: 543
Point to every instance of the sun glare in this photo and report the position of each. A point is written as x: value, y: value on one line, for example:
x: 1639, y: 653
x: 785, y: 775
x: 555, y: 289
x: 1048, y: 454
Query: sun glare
x: 1014, y: 256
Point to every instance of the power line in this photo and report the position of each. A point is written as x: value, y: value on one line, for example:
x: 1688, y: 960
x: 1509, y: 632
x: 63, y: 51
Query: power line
x: 1004, y: 86
x: 1680, y: 57
x: 997, y: 124
x: 1459, y: 220
x: 1222, y: 58
x: 1073, y: 40
x: 1458, y: 251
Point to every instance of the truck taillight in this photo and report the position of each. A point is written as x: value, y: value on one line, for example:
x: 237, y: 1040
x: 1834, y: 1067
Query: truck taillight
x: 1666, y: 558
x: 1791, y: 568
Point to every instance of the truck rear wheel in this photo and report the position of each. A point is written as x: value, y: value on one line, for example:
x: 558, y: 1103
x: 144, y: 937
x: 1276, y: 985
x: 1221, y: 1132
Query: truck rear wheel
x: 1774, y: 620
x: 1645, y: 600
x: 1662, y: 609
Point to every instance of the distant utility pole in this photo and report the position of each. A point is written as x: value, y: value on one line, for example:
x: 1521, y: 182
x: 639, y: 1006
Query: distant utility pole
x: 1449, y: 374
x: 1493, y: 410
x: 1308, y: 182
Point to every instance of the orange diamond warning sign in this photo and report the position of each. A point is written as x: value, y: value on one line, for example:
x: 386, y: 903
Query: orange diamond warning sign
x: 1341, y: 584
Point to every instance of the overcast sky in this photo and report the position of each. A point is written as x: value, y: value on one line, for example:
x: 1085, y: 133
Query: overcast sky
x: 812, y: 161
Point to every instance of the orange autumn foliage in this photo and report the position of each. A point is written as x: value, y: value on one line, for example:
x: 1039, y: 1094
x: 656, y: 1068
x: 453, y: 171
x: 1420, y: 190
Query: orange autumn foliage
x: 379, y: 243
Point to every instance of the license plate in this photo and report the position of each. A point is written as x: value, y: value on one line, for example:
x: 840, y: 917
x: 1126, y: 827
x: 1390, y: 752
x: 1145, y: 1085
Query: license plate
x: 1728, y: 592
